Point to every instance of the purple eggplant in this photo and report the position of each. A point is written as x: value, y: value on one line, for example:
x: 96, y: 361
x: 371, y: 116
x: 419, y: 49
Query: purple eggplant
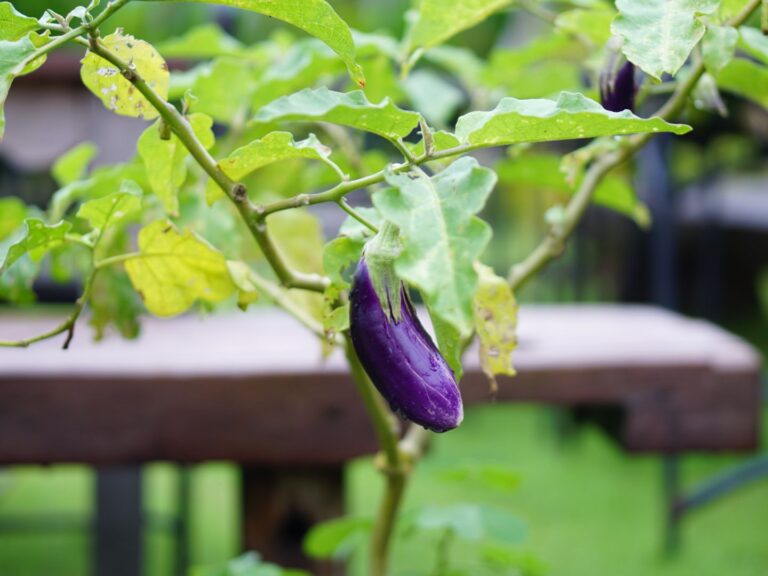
x: 401, y: 359
x: 618, y: 89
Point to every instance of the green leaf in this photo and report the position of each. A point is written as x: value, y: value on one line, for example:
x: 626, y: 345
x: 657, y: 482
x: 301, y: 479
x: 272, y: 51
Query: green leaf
x: 242, y: 277
x: 12, y: 214
x: 316, y: 17
x: 73, y: 164
x: 274, y: 147
x: 109, y: 210
x: 594, y: 23
x: 747, y: 79
x: 473, y: 522
x: 438, y: 20
x: 118, y: 94
x: 659, y: 35
x: 17, y: 57
x: 37, y: 238
x: 441, y: 236
x: 495, y: 323
x: 249, y: 564
x: 350, y: 109
x: 339, y: 255
x: 336, y: 538
x: 13, y: 24
x: 164, y: 159
x: 718, y: 47
x: 488, y: 476
x: 16, y: 282
x: 114, y: 303
x: 571, y: 117
x: 223, y: 89
x: 201, y: 42
x: 432, y: 95
x: 173, y: 270
x: 754, y: 42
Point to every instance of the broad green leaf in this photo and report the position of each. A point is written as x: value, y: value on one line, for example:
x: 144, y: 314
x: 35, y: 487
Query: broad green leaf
x: 111, y: 209
x: 659, y: 35
x: 594, y: 24
x: 223, y: 89
x: 461, y: 62
x: 754, y: 42
x: 37, y: 238
x: 174, y: 269
x: 16, y: 282
x: 274, y: 147
x: 495, y: 323
x: 336, y: 538
x: 302, y: 66
x: 13, y: 24
x: 316, y: 17
x: 571, y: 116
x: 450, y: 342
x: 114, y: 303
x: 747, y: 79
x: 474, y: 522
x: 441, y: 236
x: 117, y: 93
x: 718, y: 47
x: 73, y: 164
x: 532, y: 173
x: 438, y: 20
x: 433, y: 96
x: 164, y: 159
x: 339, y: 255
x: 204, y: 41
x: 12, y: 214
x: 102, y: 181
x: 17, y: 57
x: 350, y: 109
x: 488, y: 476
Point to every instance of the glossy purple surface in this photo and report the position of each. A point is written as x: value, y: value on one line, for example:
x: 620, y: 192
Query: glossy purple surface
x: 401, y: 359
x: 620, y: 96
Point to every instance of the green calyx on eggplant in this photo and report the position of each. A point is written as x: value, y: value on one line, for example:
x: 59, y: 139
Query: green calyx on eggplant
x: 394, y: 348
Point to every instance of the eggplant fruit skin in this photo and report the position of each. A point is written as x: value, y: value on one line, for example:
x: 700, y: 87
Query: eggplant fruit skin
x: 621, y: 95
x: 401, y: 359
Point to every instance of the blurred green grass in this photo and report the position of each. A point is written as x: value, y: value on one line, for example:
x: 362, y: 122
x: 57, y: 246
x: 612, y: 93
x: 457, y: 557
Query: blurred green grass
x: 591, y: 510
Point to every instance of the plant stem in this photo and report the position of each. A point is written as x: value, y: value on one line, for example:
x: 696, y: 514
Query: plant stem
x: 554, y: 242
x: 236, y: 191
x: 342, y: 202
x: 67, y: 326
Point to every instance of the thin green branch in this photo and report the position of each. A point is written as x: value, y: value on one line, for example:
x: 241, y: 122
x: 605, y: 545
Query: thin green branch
x: 236, y: 191
x: 68, y: 326
x: 342, y: 202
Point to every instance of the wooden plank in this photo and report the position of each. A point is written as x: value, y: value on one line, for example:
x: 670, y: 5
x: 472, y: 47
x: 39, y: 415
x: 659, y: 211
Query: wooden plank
x: 254, y: 387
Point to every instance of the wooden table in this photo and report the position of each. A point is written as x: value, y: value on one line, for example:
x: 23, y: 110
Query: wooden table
x: 253, y: 388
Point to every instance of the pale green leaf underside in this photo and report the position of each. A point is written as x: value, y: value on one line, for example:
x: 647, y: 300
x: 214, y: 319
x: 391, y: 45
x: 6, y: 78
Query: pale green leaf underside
x: 37, y: 238
x: 572, y: 116
x: 441, y: 236
x: 438, y: 20
x: 175, y: 269
x: 117, y: 93
x: 718, y: 47
x: 351, y: 109
x: 660, y: 34
x: 17, y: 57
x: 315, y: 17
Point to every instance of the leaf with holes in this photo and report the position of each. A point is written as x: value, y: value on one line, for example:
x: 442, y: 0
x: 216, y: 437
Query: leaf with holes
x: 571, y: 116
x: 117, y: 93
x: 174, y: 269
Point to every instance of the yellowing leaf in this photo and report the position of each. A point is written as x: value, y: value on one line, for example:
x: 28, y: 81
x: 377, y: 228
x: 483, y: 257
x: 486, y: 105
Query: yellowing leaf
x: 173, y: 270
x: 164, y: 158
x: 495, y: 323
x: 117, y: 93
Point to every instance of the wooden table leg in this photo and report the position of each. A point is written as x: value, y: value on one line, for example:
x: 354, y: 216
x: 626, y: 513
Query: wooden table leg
x: 279, y: 507
x: 118, y: 548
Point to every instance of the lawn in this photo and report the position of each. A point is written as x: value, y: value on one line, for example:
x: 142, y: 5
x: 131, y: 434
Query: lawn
x: 590, y: 510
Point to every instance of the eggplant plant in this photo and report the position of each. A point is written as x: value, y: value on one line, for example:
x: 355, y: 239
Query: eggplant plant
x: 243, y: 140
